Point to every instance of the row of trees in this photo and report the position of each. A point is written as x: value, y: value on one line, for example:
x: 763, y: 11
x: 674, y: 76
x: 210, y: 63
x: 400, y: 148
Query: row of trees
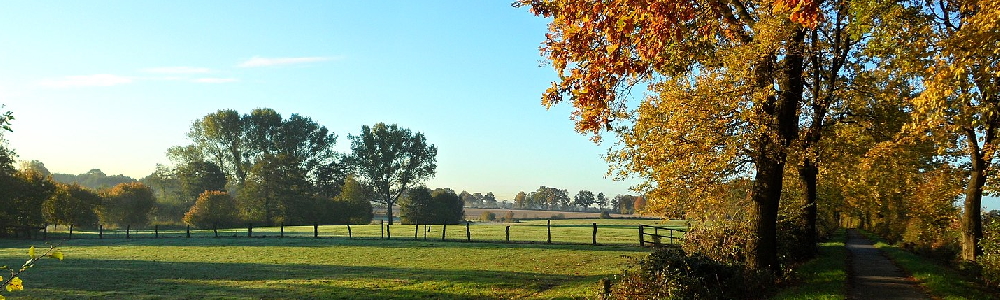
x: 285, y: 170
x: 549, y: 198
x: 881, y: 113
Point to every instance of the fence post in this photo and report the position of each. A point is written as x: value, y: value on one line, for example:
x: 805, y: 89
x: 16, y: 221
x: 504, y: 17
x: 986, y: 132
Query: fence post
x: 128, y: 231
x: 671, y: 236
x: 444, y: 229
x: 282, y: 234
x: 426, y: 230
x: 595, y: 233
x: 188, y: 231
x: 507, y: 230
x: 249, y: 229
x: 642, y: 229
x: 349, y: 234
x: 381, y: 226
x: 215, y: 228
x: 548, y: 224
x: 71, y: 231
x: 416, y: 231
x: 316, y: 230
x: 388, y: 232
x: 156, y: 231
x: 100, y: 231
x: 45, y: 232
x: 468, y: 234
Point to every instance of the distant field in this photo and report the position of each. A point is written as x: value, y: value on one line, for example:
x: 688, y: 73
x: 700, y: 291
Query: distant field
x: 304, y: 268
x: 473, y: 214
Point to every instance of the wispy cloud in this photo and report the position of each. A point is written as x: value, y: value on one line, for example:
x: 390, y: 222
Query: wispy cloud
x: 86, y: 80
x: 267, y: 62
x: 177, y: 70
x: 216, y: 80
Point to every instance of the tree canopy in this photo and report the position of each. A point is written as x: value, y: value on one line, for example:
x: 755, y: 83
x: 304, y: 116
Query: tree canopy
x: 391, y: 159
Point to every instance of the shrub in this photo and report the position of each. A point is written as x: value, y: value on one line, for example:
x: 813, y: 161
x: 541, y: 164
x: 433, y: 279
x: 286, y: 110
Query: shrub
x: 487, y: 216
x: 558, y: 216
x: 213, y: 208
x: 670, y: 273
x: 605, y: 215
x: 989, y: 261
x: 508, y: 217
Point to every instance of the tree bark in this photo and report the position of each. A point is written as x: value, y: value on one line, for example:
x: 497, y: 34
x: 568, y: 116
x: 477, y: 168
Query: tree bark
x: 808, y: 173
x: 972, y: 223
x: 772, y: 147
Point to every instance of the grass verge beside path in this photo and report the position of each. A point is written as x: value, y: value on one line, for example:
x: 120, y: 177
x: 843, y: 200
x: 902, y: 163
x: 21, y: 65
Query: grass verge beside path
x: 939, y: 280
x: 824, y: 277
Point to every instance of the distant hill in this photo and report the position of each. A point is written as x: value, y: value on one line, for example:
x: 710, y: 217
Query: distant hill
x: 93, y: 179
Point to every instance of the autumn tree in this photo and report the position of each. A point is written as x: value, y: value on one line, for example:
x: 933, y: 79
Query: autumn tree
x: 277, y: 191
x: 213, y: 208
x: 71, y: 204
x: 521, y: 200
x: 391, y: 159
x: 959, y: 106
x: 728, y: 78
x: 127, y: 204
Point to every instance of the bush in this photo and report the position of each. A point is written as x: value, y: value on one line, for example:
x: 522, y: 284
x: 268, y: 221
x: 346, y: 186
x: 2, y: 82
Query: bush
x: 989, y: 261
x: 605, y: 215
x: 558, y: 216
x: 670, y: 273
x: 508, y: 217
x: 487, y: 216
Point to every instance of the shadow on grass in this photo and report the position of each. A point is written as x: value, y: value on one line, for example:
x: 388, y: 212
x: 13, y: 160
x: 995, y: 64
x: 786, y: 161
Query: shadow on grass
x: 824, y: 277
x: 139, y: 279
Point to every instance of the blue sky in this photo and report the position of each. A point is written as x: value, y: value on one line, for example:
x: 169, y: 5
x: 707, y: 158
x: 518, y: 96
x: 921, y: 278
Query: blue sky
x: 113, y: 84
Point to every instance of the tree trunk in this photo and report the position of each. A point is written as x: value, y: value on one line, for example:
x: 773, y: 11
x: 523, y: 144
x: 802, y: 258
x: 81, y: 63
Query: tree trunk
x: 808, y: 173
x: 972, y: 223
x: 388, y: 211
x: 772, y: 146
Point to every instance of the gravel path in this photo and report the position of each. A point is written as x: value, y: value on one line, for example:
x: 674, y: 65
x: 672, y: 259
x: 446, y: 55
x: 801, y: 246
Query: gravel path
x: 874, y: 276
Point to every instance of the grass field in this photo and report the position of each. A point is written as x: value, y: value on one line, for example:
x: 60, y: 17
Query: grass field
x: 570, y: 231
x: 328, y: 268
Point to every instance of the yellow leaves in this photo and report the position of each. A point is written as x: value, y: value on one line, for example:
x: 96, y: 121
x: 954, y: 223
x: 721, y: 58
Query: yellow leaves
x: 57, y: 255
x: 31, y: 252
x: 15, y: 285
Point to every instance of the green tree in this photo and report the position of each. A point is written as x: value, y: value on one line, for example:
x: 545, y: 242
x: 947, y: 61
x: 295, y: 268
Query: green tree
x: 391, y: 159
x: 71, y: 204
x: 277, y: 192
x: 521, y: 200
x: 196, y: 177
x: 171, y: 203
x: 420, y: 206
x: 213, y: 208
x: 584, y: 199
x: 353, y: 204
x: 601, y: 201
x: 127, y: 204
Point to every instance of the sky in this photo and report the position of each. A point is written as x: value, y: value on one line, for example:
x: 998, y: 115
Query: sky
x: 113, y: 84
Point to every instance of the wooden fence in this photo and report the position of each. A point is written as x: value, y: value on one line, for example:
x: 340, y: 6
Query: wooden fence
x: 577, y: 233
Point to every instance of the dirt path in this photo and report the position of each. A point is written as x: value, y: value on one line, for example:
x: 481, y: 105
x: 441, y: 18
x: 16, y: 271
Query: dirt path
x: 874, y: 276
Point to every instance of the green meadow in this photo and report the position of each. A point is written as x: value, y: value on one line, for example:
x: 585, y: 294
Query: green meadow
x: 335, y: 267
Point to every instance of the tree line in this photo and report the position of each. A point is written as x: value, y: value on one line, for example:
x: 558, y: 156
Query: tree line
x: 257, y: 167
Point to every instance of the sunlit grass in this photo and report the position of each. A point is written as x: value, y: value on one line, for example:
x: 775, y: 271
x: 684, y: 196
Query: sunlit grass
x: 571, y: 231
x: 824, y: 277
x: 326, y: 268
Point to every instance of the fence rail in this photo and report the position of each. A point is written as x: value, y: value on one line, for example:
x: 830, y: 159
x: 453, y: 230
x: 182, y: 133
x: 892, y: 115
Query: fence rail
x: 672, y: 235
x: 550, y: 232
